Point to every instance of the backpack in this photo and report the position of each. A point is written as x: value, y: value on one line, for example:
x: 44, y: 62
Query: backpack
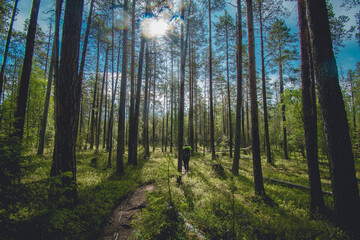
x: 186, y: 153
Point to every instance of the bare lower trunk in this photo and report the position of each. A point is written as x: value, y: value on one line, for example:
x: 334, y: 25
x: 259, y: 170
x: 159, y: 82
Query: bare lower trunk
x: 342, y: 166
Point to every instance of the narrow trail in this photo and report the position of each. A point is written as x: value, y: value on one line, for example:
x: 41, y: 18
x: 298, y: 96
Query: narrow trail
x: 118, y: 224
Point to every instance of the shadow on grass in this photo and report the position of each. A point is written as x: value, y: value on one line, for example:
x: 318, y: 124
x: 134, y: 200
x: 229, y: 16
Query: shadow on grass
x: 99, y: 192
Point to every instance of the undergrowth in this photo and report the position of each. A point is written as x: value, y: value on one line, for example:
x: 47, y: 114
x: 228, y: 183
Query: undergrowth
x: 212, y: 200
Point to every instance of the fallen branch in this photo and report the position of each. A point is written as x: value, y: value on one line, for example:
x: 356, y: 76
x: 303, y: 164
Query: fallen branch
x: 295, y: 185
x: 191, y: 227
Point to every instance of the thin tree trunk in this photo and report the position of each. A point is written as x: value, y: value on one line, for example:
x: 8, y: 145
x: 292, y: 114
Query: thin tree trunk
x: 48, y: 50
x: 134, y: 125
x: 121, y: 121
x: 286, y: 156
x: 145, y: 141
x: 55, y: 167
x: 86, y: 39
x: 228, y: 86
x: 172, y: 98
x: 101, y: 101
x: 191, y: 97
x: 342, y: 166
x: 111, y: 123
x: 40, y: 149
x: 131, y: 144
x: 263, y: 79
x: 8, y: 39
x: 182, y: 97
x: 93, y: 112
x: 258, y: 178
x: 153, y: 142
x: 167, y: 117
x: 235, y: 166
x: 106, y: 109
x: 212, y: 137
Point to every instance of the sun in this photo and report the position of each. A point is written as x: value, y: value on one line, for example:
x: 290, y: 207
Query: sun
x: 152, y: 28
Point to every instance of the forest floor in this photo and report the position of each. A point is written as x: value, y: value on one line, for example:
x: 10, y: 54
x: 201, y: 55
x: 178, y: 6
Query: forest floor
x: 118, y: 224
x: 210, y: 202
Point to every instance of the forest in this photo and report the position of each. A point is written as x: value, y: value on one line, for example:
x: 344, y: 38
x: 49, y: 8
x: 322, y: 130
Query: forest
x: 102, y: 103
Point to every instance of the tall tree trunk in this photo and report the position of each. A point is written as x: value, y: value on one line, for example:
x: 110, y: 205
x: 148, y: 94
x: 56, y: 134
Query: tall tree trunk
x: 8, y: 39
x: 55, y: 168
x: 172, y: 99
x: 134, y: 125
x: 247, y: 114
x: 132, y: 85
x: 93, y: 112
x: 263, y: 79
x: 342, y: 166
x: 258, y: 179
x: 191, y: 97
x: 121, y: 121
x: 68, y: 100
x: 153, y: 142
x: 167, y: 116
x: 145, y: 141
x: 286, y: 156
x: 212, y: 137
x: 111, y: 123
x: 25, y: 76
x: 86, y: 39
x: 310, y: 116
x: 182, y: 97
x: 106, y: 109
x: 40, y: 149
x: 228, y: 86
x: 48, y: 50
x: 101, y: 101
x: 196, y: 105
x: 235, y: 166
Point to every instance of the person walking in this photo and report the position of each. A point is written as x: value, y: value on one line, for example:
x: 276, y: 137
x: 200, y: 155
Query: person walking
x: 186, y: 157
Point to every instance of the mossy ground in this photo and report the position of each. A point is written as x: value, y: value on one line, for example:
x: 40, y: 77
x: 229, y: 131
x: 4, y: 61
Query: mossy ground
x: 219, y: 205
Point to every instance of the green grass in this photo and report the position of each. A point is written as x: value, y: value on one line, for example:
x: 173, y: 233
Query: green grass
x: 220, y: 206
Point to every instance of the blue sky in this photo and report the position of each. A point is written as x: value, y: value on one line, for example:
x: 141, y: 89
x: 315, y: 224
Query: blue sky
x: 346, y: 59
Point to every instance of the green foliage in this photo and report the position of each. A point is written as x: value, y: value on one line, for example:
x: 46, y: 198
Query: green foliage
x: 218, y: 207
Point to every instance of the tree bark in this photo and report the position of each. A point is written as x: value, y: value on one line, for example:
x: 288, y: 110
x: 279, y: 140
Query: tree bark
x: 68, y: 100
x: 93, y: 112
x: 182, y: 98
x: 145, y: 141
x: 40, y: 149
x: 258, y: 178
x: 286, y: 156
x: 263, y: 79
x: 101, y: 101
x: 111, y: 120
x: 172, y: 99
x: 212, y: 137
x: 55, y: 168
x: 235, y: 166
x: 132, y: 83
x: 310, y: 115
x: 121, y: 121
x: 228, y: 86
x: 153, y: 141
x: 342, y: 166
x: 25, y: 76
x: 134, y: 125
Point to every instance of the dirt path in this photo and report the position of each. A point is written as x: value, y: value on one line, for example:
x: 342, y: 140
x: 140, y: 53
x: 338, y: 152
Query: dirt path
x: 118, y: 225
